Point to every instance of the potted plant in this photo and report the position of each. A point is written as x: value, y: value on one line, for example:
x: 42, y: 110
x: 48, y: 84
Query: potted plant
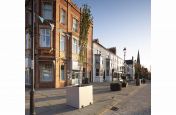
x: 138, y: 82
x: 124, y: 83
x: 115, y: 86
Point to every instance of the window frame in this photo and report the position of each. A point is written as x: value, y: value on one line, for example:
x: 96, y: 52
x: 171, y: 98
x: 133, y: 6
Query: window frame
x: 75, y: 45
x: 51, y: 72
x: 42, y: 9
x: 27, y: 40
x: 62, y: 78
x: 63, y: 11
x: 64, y: 42
x: 41, y: 44
x: 97, y: 73
x: 76, y: 25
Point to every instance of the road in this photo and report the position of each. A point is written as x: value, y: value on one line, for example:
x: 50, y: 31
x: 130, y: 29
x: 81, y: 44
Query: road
x: 137, y: 104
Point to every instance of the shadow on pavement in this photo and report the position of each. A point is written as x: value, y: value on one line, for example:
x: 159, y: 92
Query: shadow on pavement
x: 52, y: 109
x: 50, y: 98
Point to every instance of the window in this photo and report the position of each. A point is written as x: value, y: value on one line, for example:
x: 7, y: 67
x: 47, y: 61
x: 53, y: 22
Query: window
x: 75, y: 25
x: 47, y: 11
x: 62, y: 72
x: 44, y: 37
x: 46, y: 72
x: 27, y: 77
x: 74, y: 45
x: 63, y: 16
x: 28, y: 41
x: 97, y: 72
x: 62, y: 43
x: 107, y: 72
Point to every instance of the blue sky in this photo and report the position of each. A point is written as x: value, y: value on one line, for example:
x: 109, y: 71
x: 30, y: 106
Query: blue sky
x: 123, y: 23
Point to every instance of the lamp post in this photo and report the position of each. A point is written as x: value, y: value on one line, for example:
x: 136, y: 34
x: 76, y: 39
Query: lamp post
x: 124, y: 50
x: 32, y: 106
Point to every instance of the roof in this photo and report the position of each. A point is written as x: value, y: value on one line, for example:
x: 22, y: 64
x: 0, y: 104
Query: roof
x: 129, y: 61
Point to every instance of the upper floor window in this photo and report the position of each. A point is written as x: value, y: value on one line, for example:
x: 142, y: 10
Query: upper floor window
x: 47, y: 11
x: 63, y: 16
x: 62, y: 43
x: 75, y: 25
x: 75, y: 46
x: 28, y: 41
x: 45, y: 38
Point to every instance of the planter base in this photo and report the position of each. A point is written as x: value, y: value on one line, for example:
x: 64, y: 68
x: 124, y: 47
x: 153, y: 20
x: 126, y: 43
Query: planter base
x: 79, y: 97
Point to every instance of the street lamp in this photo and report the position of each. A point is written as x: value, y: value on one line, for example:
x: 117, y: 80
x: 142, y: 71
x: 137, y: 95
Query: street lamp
x: 124, y: 50
x: 32, y: 111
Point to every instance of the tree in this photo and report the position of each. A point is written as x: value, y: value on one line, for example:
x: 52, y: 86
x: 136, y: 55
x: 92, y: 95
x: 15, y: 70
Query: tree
x: 137, y: 71
x: 85, y: 22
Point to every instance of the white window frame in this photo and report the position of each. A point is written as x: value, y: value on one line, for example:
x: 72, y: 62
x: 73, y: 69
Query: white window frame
x: 49, y: 9
x: 74, y: 45
x: 27, y: 41
x: 63, y: 16
x: 62, y: 40
x: 43, y: 37
x: 75, y: 25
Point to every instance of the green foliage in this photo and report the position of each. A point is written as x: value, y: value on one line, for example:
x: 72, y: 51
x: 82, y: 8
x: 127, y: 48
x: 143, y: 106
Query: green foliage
x: 86, y: 20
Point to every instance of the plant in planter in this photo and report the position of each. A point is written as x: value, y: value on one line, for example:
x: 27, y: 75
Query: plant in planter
x: 81, y: 95
x: 124, y: 83
x: 138, y: 82
x: 143, y: 81
x: 115, y: 86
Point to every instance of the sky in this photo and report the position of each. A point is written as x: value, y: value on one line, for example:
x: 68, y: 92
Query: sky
x: 123, y: 23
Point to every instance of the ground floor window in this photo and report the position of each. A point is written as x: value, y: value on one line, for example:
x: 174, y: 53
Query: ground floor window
x: 107, y: 72
x: 97, y: 72
x: 62, y: 73
x: 46, y: 72
x: 27, y: 76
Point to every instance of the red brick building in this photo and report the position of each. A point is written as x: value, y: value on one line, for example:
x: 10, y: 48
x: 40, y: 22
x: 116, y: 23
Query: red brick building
x: 57, y: 49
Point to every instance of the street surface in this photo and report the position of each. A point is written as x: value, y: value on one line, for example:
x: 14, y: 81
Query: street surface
x: 137, y: 104
x: 133, y: 100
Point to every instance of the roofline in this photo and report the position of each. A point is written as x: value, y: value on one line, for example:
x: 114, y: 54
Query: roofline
x: 106, y: 49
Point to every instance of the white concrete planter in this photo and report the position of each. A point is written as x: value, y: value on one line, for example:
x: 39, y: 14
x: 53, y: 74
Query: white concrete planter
x: 79, y: 96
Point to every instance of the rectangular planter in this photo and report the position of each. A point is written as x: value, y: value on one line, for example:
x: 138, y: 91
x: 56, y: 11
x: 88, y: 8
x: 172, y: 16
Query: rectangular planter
x: 79, y: 97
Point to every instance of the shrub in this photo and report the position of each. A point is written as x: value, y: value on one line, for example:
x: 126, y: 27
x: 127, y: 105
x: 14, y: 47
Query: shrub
x: 138, y: 82
x: 124, y: 84
x: 115, y: 86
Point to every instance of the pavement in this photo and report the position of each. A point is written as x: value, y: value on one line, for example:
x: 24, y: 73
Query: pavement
x: 53, y: 101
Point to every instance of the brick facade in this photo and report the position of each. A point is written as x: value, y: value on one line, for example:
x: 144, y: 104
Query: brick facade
x: 52, y: 56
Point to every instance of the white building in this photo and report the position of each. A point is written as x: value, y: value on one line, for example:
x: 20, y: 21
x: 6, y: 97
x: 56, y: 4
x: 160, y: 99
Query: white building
x: 105, y: 62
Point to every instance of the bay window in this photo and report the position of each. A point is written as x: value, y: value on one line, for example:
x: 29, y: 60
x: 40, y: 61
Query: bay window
x: 45, y: 38
x: 47, y: 11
